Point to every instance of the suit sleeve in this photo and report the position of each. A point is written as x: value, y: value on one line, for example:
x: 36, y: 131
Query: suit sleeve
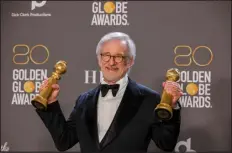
x: 165, y: 133
x: 64, y: 133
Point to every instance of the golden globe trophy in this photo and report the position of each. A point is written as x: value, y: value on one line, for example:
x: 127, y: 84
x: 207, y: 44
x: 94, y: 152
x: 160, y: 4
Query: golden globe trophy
x: 40, y: 101
x: 164, y: 109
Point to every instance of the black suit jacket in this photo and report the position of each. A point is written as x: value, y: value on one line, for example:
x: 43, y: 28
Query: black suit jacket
x: 131, y: 130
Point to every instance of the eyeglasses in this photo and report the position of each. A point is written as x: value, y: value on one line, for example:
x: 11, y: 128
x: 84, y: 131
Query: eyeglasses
x: 117, y: 58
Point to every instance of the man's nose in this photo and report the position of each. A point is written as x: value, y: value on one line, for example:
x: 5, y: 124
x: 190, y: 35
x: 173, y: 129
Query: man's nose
x: 112, y: 61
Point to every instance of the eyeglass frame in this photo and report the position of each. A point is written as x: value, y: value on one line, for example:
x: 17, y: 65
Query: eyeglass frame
x: 114, y: 56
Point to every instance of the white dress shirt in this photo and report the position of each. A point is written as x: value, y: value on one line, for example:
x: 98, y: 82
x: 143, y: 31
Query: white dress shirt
x: 108, y: 105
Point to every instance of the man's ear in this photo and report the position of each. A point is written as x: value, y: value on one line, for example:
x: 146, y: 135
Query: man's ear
x: 130, y: 62
x: 99, y: 60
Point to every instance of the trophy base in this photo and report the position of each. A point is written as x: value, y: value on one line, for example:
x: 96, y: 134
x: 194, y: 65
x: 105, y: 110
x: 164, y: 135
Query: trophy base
x: 163, y: 111
x: 39, y: 102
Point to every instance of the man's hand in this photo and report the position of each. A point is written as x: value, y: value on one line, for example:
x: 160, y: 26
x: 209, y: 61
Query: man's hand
x: 55, y: 91
x: 173, y: 88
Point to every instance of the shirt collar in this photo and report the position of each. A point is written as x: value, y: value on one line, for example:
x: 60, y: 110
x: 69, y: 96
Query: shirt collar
x: 122, y: 82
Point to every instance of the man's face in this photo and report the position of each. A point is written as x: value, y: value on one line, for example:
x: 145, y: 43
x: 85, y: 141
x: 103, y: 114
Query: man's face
x: 114, y: 68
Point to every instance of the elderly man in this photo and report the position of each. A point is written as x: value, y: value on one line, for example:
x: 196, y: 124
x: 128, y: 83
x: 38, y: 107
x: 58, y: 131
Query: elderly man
x: 118, y: 115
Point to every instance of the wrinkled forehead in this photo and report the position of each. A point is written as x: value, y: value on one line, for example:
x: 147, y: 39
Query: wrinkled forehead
x: 116, y: 44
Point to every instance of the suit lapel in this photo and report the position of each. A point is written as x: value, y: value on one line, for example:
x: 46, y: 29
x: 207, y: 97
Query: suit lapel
x: 127, y: 109
x: 91, y: 114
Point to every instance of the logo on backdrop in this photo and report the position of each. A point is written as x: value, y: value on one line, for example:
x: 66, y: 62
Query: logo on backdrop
x: 35, y: 10
x: 35, y: 4
x: 26, y: 81
x: 93, y: 76
x: 5, y: 147
x: 110, y: 13
x: 186, y: 145
x: 196, y: 84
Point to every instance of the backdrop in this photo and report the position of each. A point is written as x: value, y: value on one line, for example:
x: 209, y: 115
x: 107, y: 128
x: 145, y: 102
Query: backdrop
x: 194, y: 37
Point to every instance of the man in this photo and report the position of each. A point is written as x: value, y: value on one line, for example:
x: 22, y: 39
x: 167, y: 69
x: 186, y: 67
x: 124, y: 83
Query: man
x: 118, y: 115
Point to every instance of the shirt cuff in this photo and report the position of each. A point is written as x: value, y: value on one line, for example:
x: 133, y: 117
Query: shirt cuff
x: 177, y: 107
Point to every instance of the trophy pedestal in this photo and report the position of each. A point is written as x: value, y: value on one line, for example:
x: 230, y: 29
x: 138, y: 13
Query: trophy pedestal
x: 163, y: 111
x: 39, y: 102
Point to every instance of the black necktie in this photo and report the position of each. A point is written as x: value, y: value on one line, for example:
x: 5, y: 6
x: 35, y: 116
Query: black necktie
x: 105, y: 88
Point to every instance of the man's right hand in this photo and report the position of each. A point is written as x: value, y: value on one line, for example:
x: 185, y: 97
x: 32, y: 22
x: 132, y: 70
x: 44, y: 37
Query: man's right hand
x: 55, y: 91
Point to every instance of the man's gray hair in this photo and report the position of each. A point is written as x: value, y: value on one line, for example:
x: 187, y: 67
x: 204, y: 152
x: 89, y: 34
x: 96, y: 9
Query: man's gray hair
x: 120, y: 36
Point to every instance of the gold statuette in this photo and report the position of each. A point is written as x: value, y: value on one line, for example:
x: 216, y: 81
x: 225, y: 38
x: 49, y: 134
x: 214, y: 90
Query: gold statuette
x: 164, y: 109
x: 40, y: 101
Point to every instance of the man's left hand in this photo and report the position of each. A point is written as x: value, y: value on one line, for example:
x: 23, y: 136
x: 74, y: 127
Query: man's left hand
x: 173, y: 88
